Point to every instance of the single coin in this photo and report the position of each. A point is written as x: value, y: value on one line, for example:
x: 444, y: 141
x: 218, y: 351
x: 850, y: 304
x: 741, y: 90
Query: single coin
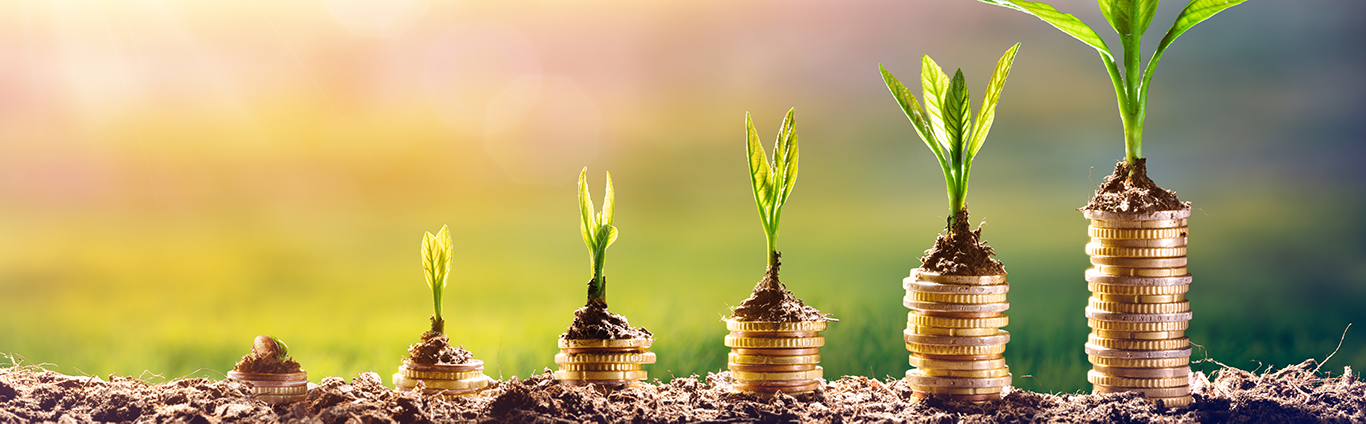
x: 991, y: 373
x: 268, y: 383
x: 776, y: 383
x: 1095, y: 276
x: 922, y: 320
x: 1126, y: 223
x: 1118, y: 290
x: 774, y: 327
x: 963, y: 398
x: 1099, y: 325
x: 1139, y: 335
x: 959, y: 315
x: 1159, y: 392
x: 434, y: 375
x: 600, y: 375
x: 998, y: 339
x: 912, y: 284
x: 776, y: 352
x: 955, y: 350
x: 1180, y: 361
x: 938, y: 364
x: 1172, y: 402
x: 938, y: 331
x: 609, y: 343
x: 1113, y: 381
x: 764, y: 387
x: 280, y: 390
x: 778, y: 376
x: 1096, y: 249
x: 1136, y: 354
x: 1140, y: 308
x: 1136, y: 233
x: 735, y: 358
x: 1179, y: 261
x: 957, y: 390
x: 1137, y: 216
x: 916, y: 378
x: 625, y: 358
x: 1131, y: 344
x: 773, y: 334
x: 1141, y: 272
x: 590, y: 366
x: 471, y: 365
x: 966, y: 280
x: 983, y: 357
x: 474, y: 383
x: 975, y: 299
x: 261, y: 376
x: 1093, y: 313
x: 954, y: 307
x: 769, y: 368
x: 1125, y: 298
x: 775, y: 343
x: 1161, y: 242
x: 1183, y: 371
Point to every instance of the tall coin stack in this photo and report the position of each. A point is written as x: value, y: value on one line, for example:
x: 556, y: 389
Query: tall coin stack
x: 606, y: 363
x: 767, y: 357
x: 449, y: 381
x: 954, y: 335
x: 1138, y: 312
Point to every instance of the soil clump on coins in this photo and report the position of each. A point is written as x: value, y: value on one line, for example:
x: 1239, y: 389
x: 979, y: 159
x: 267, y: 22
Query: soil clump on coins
x: 1297, y: 393
x: 265, y: 358
x: 772, y: 301
x: 1130, y: 190
x: 594, y: 321
x: 962, y: 252
x: 435, y: 349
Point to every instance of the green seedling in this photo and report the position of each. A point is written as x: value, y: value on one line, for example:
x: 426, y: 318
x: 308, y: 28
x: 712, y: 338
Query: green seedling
x: 945, y: 124
x: 1129, y: 18
x: 436, y: 262
x: 772, y: 179
x: 598, y: 233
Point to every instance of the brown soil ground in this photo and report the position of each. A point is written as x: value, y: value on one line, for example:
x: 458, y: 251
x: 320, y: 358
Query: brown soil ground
x: 771, y: 301
x: 962, y: 252
x: 435, y: 348
x: 1293, y: 394
x: 1123, y: 193
x: 594, y: 321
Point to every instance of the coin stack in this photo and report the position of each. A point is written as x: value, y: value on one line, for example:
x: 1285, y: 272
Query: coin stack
x: 954, y: 335
x: 449, y: 381
x: 606, y: 363
x: 767, y: 357
x: 1138, y: 312
x: 274, y: 389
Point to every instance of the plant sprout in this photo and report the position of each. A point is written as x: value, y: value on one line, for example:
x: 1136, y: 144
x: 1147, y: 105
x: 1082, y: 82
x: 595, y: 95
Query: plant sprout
x: 944, y: 123
x: 598, y: 233
x: 1129, y: 18
x: 772, y: 179
x: 436, y: 262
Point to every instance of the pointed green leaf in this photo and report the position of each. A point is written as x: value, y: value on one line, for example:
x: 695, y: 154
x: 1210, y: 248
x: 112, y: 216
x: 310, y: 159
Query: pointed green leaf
x: 1129, y: 18
x: 609, y: 202
x: 987, y: 112
x: 611, y: 235
x: 589, y: 226
x: 758, y: 166
x: 1062, y: 21
x: 957, y: 115
x: 1196, y: 11
x: 934, y: 85
x: 785, y: 158
x: 911, y: 107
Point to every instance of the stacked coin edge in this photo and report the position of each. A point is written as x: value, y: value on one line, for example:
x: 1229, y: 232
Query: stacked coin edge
x: 768, y: 357
x: 606, y: 363
x: 449, y: 381
x: 954, y: 336
x: 272, y: 388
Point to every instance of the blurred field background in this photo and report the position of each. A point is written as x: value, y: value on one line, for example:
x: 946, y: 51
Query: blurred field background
x: 178, y: 177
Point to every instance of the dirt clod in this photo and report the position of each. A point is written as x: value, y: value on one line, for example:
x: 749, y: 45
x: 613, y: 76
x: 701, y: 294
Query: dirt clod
x: 435, y: 349
x: 594, y: 321
x: 1130, y: 190
x: 266, y: 358
x: 772, y: 301
x: 962, y: 252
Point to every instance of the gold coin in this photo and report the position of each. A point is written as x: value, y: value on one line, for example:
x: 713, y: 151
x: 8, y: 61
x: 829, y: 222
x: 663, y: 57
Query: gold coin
x: 1125, y: 223
x: 767, y: 387
x: 774, y: 326
x: 434, y: 375
x: 912, y: 285
x: 1121, y: 290
x: 1136, y: 233
x: 965, y: 280
x: 775, y: 342
x: 473, y: 383
x: 1136, y: 317
x: 955, y: 350
x: 1113, y: 381
x: 990, y: 373
x: 769, y: 368
x: 777, y: 352
x: 975, y: 299
x: 601, y: 375
x: 1131, y: 344
x: 625, y: 358
x: 736, y: 358
x: 605, y: 366
x: 1139, y: 335
x: 1140, y: 308
x: 1180, y: 361
x: 280, y: 390
x: 1182, y: 371
x: 260, y: 377
x: 1092, y: 349
x: 777, y: 376
x: 1138, y: 326
x: 1158, y: 392
x: 1141, y: 272
x: 773, y: 335
x: 1179, y: 261
x: 1161, y: 242
x: 1095, y: 276
x: 957, y: 391
x: 1125, y: 298
x: 916, y: 377
x: 1137, y: 216
x: 1173, y: 402
x: 1002, y: 338
x: 606, y: 343
x: 1096, y: 249
x: 967, y: 365
x: 921, y: 320
x: 939, y: 331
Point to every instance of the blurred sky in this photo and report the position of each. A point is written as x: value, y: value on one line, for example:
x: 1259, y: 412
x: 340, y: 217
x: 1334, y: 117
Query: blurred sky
x: 176, y: 177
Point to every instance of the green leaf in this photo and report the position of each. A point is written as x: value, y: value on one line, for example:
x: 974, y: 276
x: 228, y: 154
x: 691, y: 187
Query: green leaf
x: 588, y: 227
x: 1129, y: 18
x: 1196, y: 11
x: 1062, y: 21
x: 957, y: 115
x: 611, y: 235
x: 609, y: 202
x: 987, y: 112
x: 934, y: 85
x: 911, y: 107
x: 758, y: 167
x: 785, y: 158
x: 436, y: 257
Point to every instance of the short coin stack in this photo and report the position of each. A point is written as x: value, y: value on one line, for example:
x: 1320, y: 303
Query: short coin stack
x: 274, y: 389
x: 954, y: 335
x: 449, y: 381
x: 607, y: 363
x: 1138, y: 311
x: 767, y: 357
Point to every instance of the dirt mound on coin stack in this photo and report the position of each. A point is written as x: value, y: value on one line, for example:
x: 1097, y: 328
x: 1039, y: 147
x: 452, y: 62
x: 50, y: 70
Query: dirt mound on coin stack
x: 435, y: 348
x: 1122, y: 192
x: 961, y: 252
x: 1296, y: 393
x: 772, y: 301
x: 594, y: 321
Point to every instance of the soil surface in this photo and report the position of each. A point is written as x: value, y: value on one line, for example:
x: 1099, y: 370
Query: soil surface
x: 771, y: 301
x: 1123, y: 192
x: 962, y: 252
x: 1293, y: 394
x: 594, y: 321
x: 266, y: 358
x: 435, y: 349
